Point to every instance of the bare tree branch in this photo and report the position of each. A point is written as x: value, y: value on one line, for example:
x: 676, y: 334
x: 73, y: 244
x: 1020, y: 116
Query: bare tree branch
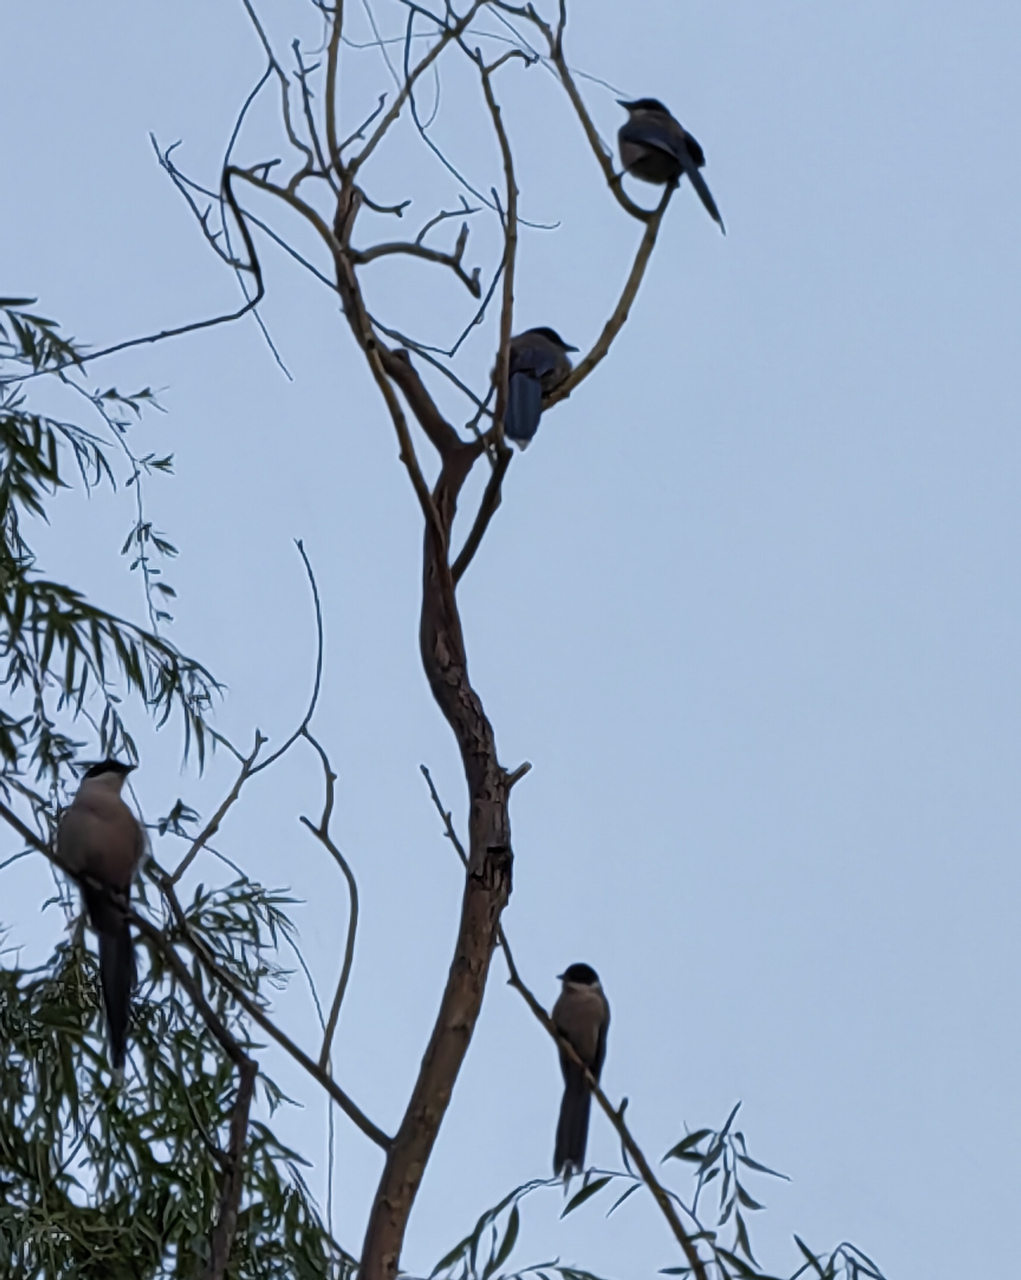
x: 614, y: 1114
x: 555, y: 41
x: 336, y: 30
x: 346, y: 1104
x: 448, y: 33
x: 616, y: 1117
x: 359, y: 133
x: 234, y: 1175
x: 26, y: 833
x: 318, y: 679
x: 442, y: 435
x: 621, y: 311
x: 510, y: 234
x: 451, y: 260
x: 285, y: 99
x: 491, y: 499
x: 213, y: 825
x: 325, y: 168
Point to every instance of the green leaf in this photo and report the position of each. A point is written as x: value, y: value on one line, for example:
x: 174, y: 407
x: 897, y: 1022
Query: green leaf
x: 683, y: 1149
x: 509, y: 1240
x: 635, y: 1186
x: 586, y: 1193
x: 761, y: 1168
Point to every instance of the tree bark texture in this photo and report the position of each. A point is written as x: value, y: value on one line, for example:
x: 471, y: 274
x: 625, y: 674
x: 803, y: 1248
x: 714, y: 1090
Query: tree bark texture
x: 487, y: 888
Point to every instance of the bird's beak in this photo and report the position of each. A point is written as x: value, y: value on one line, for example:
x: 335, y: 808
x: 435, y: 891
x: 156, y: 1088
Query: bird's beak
x: 560, y: 977
x: 622, y: 103
x: 570, y: 348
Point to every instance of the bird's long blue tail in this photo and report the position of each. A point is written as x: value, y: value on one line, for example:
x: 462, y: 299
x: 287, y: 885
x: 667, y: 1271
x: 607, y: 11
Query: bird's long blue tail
x: 107, y: 910
x: 572, y: 1127
x: 524, y: 408
x: 117, y: 975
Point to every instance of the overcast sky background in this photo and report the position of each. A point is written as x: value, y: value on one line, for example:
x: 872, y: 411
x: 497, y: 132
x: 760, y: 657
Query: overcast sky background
x: 751, y: 606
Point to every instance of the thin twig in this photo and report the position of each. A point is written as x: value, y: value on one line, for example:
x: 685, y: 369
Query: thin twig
x: 213, y: 825
x: 322, y: 833
x: 614, y: 180
x: 359, y: 133
x: 491, y: 499
x: 510, y: 233
x: 234, y: 1175
x: 464, y: 212
x: 336, y: 25
x: 306, y: 99
x: 621, y: 311
x: 318, y: 680
x: 285, y: 98
x: 26, y: 833
x: 449, y: 33
x: 451, y: 260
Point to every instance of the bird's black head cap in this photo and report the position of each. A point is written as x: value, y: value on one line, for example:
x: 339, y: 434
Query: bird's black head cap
x: 109, y: 766
x: 581, y: 973
x: 553, y: 336
x: 642, y: 104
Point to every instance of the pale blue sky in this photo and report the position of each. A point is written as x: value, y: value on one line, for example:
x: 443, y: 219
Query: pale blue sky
x: 751, y: 606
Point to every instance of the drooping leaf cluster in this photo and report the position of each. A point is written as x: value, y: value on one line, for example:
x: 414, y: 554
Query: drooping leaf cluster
x: 63, y: 657
x: 102, y: 1182
x: 485, y: 1252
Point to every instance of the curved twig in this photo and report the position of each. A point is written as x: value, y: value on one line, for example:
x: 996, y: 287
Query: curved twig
x: 322, y: 834
x: 616, y: 321
x: 510, y: 234
x: 213, y: 825
x: 451, y: 260
x: 318, y: 679
x: 555, y: 41
x: 491, y: 499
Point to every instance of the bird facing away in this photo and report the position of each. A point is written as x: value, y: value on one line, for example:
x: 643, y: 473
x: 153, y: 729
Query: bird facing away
x: 581, y: 1015
x: 657, y: 148
x: 538, y: 363
x: 100, y: 843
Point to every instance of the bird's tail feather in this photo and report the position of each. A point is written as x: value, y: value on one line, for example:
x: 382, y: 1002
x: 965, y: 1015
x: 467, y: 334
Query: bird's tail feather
x: 524, y: 408
x: 572, y: 1127
x: 108, y: 915
x: 705, y: 195
x: 117, y: 974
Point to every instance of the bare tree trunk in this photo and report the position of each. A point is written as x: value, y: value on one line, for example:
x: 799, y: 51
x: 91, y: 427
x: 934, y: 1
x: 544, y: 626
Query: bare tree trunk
x: 487, y: 888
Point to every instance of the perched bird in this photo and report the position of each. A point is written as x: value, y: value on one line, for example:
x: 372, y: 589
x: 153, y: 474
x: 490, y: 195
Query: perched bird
x: 100, y: 843
x: 657, y: 148
x: 581, y: 1015
x: 538, y: 363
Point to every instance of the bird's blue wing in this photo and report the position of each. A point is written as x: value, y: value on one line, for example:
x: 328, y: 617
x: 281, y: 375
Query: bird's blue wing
x: 652, y: 135
x: 524, y: 407
x: 537, y: 360
x: 649, y: 134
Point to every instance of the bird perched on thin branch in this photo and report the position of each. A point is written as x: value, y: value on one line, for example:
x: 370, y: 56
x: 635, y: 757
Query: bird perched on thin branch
x: 100, y: 843
x: 582, y: 1016
x: 657, y: 148
x: 538, y: 364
